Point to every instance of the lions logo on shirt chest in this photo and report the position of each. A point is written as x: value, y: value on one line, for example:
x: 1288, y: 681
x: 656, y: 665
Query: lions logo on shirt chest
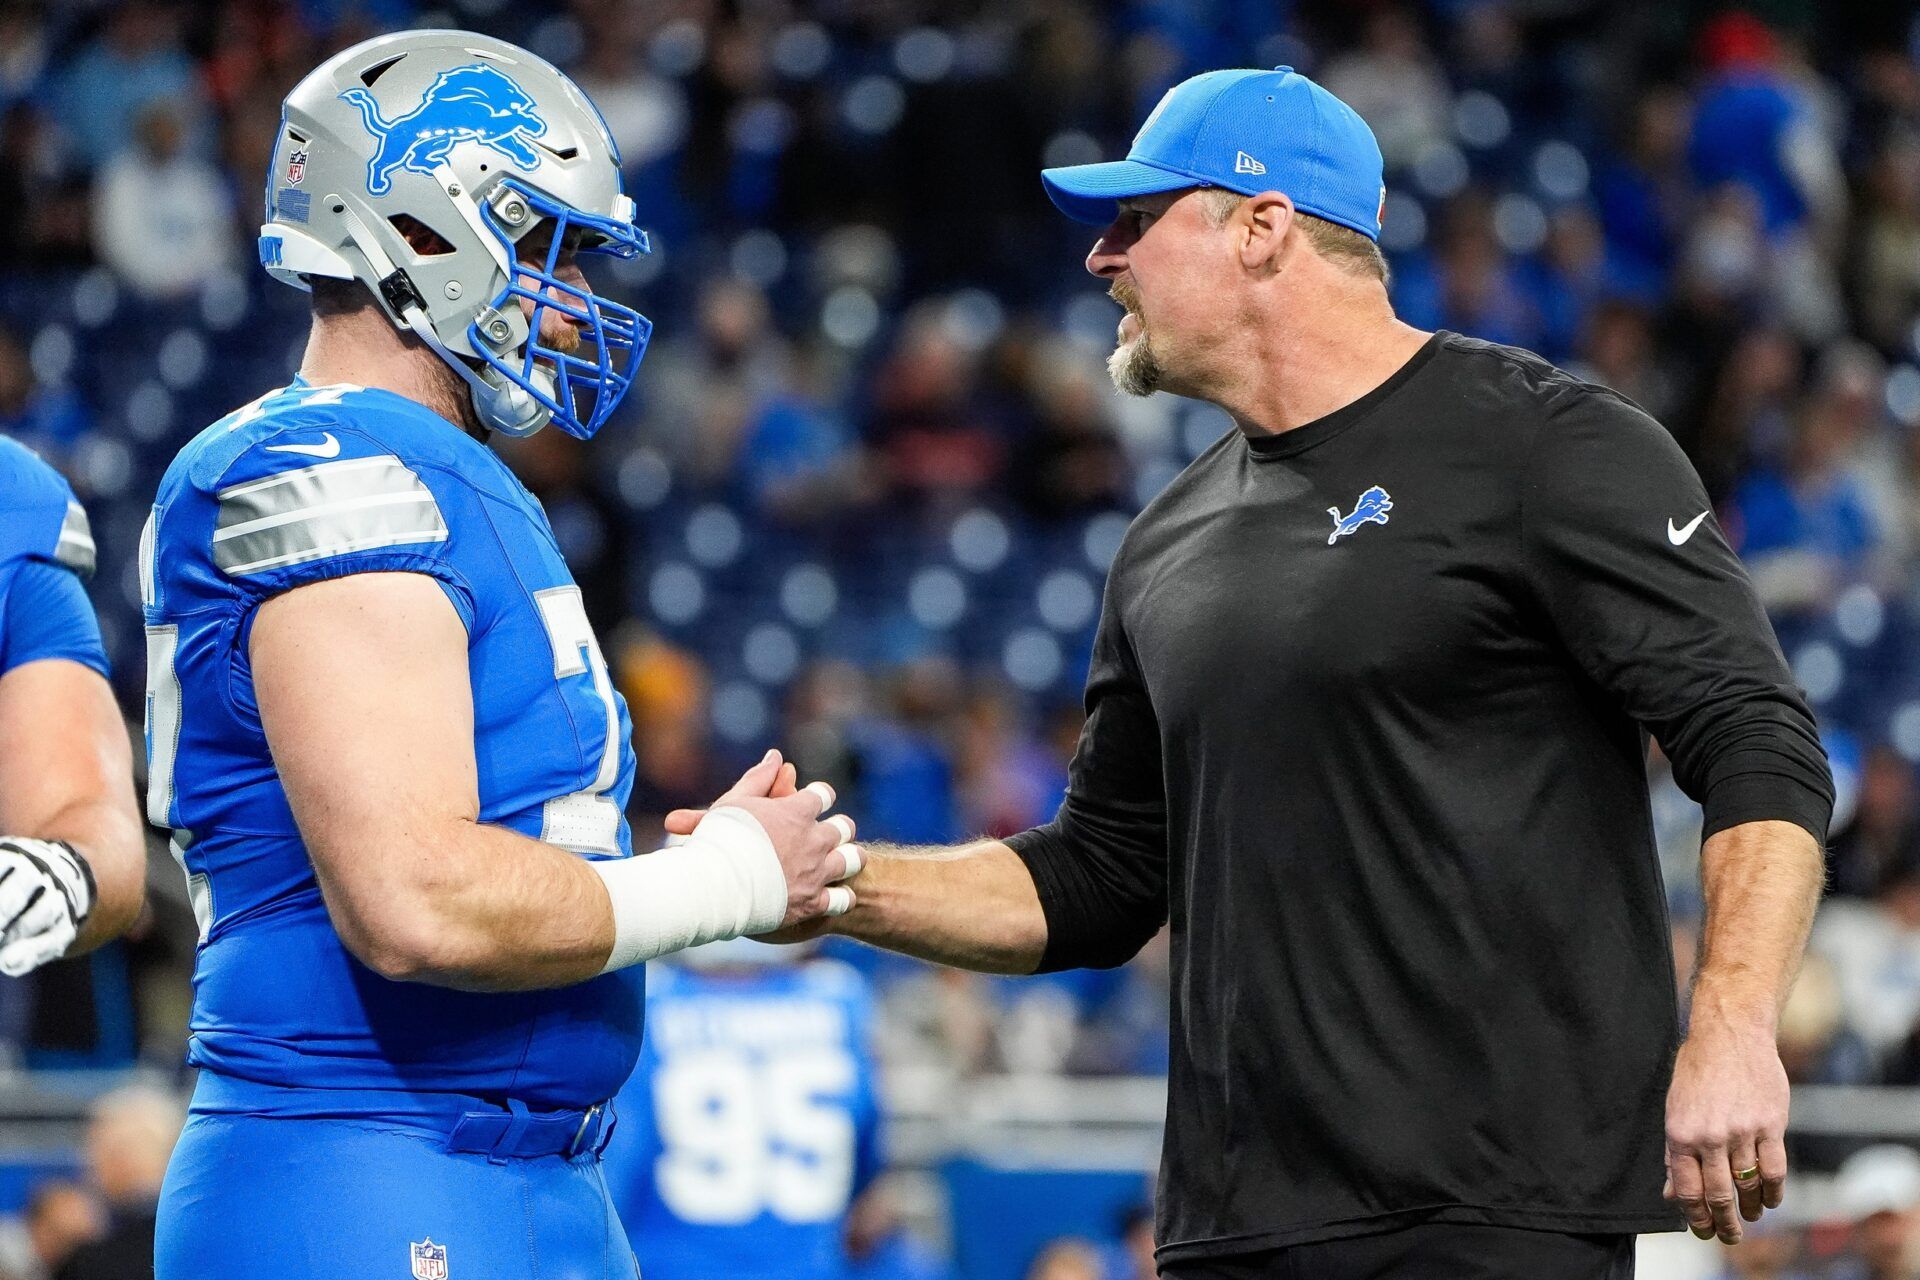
x: 1371, y: 508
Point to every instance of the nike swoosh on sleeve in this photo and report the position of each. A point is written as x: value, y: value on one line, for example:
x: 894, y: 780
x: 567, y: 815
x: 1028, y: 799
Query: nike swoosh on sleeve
x: 327, y: 448
x: 1679, y: 536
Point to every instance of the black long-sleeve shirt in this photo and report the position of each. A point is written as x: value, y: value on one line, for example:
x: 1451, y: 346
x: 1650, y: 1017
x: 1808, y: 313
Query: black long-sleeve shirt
x: 1366, y: 717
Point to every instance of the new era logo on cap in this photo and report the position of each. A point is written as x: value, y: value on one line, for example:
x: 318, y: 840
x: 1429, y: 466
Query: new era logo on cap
x: 1244, y: 163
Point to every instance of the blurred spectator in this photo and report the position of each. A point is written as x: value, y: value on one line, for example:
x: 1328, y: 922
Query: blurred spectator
x: 705, y: 384
x: 1131, y: 1257
x: 1878, y: 1191
x: 43, y: 206
x: 1569, y: 278
x: 1722, y: 268
x: 1645, y: 192
x: 1770, y: 1249
x: 24, y: 50
x: 935, y: 1018
x: 646, y: 113
x: 906, y: 788
x: 60, y: 1217
x: 1395, y: 83
x: 1475, y: 285
x: 1070, y: 463
x: 1874, y: 947
x: 1816, y: 1044
x: 162, y: 218
x: 135, y: 63
x: 1068, y: 1258
x: 1886, y: 255
x: 1753, y: 127
x: 879, y: 1247
x: 1748, y: 410
x: 130, y: 1138
x: 49, y: 419
x: 1807, y: 524
x: 1618, y: 350
x: 927, y: 422
x: 666, y: 693
x: 1124, y: 1030
x: 1885, y: 832
x: 1008, y: 781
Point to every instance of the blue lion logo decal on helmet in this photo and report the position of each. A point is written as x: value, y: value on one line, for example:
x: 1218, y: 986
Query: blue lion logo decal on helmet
x: 467, y: 104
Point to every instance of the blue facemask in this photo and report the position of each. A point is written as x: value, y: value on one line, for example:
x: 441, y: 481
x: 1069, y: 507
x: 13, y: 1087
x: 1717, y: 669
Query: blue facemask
x: 586, y: 385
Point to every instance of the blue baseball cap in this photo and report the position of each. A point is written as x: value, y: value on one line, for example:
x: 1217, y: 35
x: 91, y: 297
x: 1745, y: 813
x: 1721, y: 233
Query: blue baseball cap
x: 1246, y: 131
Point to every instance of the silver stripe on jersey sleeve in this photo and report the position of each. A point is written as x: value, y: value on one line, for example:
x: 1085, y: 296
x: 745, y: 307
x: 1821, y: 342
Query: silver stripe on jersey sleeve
x: 149, y: 566
x: 75, y: 547
x: 313, y: 512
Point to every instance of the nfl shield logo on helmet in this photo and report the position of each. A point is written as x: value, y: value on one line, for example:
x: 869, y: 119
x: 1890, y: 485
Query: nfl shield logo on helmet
x: 296, y: 167
x: 429, y: 1260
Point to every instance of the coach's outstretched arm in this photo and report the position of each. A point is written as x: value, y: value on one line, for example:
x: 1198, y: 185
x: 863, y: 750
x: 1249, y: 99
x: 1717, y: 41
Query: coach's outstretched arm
x: 1089, y: 889
x: 364, y: 693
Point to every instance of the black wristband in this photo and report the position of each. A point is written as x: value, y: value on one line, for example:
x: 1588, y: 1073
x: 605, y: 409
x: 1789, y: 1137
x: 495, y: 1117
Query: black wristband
x: 86, y: 874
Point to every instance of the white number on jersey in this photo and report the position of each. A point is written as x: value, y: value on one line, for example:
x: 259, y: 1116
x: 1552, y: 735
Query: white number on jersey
x: 586, y: 821
x: 743, y: 1135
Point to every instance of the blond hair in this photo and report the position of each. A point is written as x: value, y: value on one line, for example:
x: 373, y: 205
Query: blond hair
x: 1342, y: 246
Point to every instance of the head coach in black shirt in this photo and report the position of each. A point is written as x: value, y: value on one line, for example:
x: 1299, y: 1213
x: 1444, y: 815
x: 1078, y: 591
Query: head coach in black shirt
x: 1367, y: 719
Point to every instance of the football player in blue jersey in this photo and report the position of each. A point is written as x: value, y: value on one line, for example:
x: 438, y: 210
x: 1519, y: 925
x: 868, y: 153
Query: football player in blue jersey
x: 751, y: 1122
x: 72, y: 852
x: 382, y: 732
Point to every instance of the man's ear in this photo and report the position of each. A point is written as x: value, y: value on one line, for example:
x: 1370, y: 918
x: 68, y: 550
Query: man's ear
x: 1263, y: 222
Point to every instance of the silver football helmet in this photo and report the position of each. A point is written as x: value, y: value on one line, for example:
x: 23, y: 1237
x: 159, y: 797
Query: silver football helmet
x: 483, y: 143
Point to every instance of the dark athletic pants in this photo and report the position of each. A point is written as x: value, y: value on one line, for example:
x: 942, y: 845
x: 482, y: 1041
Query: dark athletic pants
x: 1430, y: 1251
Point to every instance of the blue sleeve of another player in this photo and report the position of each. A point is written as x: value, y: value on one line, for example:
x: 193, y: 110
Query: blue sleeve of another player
x: 45, y: 613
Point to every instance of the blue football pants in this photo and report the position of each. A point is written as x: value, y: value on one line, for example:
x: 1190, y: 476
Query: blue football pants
x: 310, y: 1198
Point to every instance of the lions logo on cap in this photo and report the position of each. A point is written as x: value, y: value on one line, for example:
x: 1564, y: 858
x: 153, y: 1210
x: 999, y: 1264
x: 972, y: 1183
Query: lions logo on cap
x: 467, y: 104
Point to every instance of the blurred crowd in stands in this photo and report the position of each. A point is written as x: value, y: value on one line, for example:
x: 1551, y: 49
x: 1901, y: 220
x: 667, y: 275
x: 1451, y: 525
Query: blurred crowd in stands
x: 862, y: 501
x: 99, y: 1225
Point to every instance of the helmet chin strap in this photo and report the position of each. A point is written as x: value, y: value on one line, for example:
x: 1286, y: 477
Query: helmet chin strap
x: 501, y: 405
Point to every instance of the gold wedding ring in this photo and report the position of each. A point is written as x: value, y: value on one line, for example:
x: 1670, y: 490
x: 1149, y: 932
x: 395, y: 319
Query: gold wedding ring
x: 1746, y: 1175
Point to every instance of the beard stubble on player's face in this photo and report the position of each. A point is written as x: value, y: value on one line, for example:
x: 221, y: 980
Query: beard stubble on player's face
x: 557, y: 330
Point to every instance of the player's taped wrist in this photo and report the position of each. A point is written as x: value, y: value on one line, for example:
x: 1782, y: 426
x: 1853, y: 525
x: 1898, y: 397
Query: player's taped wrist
x: 724, y: 882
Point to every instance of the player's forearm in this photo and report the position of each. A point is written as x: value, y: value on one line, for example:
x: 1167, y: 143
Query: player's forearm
x: 74, y: 783
x: 480, y: 908
x: 1762, y: 883
x: 971, y: 907
x: 106, y: 832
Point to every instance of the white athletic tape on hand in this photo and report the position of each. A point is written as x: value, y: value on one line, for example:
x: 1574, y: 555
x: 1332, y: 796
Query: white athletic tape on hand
x: 842, y: 823
x: 855, y: 860
x: 839, y: 900
x: 825, y: 793
x: 724, y: 882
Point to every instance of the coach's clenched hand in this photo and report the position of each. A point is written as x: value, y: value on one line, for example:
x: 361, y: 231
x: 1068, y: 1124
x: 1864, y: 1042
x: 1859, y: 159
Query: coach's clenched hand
x: 1726, y: 1114
x: 815, y: 853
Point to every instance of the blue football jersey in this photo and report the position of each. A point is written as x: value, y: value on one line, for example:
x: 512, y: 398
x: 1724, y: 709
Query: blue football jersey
x: 45, y: 548
x: 750, y: 1124
x: 310, y: 483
